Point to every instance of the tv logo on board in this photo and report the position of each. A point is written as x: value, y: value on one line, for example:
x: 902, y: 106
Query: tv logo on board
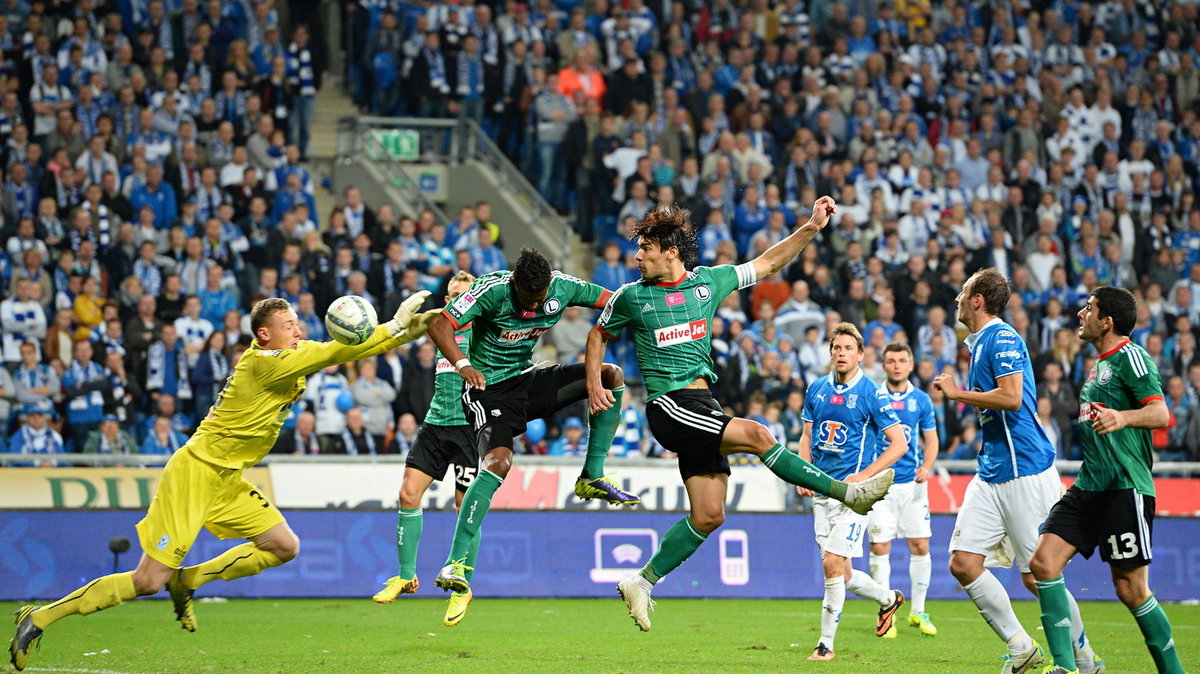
x: 620, y: 552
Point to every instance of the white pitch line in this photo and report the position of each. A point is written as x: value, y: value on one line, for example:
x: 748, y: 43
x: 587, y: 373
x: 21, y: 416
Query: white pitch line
x: 76, y: 671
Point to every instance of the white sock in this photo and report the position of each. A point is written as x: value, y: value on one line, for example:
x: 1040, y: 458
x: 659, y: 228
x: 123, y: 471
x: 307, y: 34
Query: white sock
x: 1084, y: 655
x: 862, y: 585
x: 881, y: 569
x: 831, y: 609
x: 920, y: 568
x: 644, y: 583
x: 997, y: 611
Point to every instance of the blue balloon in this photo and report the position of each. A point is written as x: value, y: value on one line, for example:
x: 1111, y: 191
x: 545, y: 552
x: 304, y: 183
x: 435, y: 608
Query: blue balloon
x: 345, y: 401
x: 535, y: 430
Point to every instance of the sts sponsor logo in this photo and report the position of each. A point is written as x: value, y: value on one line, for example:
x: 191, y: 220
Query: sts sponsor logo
x: 680, y: 333
x: 831, y: 435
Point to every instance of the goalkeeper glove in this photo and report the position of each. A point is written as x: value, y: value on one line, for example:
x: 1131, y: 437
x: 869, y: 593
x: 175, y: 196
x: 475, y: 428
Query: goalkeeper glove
x: 404, y: 314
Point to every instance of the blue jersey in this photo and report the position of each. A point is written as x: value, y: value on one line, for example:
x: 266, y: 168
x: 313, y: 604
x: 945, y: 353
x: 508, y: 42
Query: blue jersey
x: 915, y: 411
x: 847, y: 422
x: 1014, y: 443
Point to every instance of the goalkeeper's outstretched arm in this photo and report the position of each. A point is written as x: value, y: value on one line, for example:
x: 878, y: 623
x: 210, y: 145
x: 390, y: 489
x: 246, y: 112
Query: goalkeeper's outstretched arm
x: 309, y: 356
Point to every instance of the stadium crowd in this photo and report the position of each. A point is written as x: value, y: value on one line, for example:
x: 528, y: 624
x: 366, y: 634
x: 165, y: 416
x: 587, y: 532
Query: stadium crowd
x: 154, y: 187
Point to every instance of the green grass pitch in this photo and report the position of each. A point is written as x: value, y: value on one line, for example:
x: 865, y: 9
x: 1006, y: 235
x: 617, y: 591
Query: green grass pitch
x: 564, y: 635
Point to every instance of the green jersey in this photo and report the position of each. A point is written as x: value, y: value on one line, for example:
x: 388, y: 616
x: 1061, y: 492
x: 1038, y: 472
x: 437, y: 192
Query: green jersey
x: 446, y: 408
x: 503, y: 336
x: 672, y: 322
x: 1122, y: 379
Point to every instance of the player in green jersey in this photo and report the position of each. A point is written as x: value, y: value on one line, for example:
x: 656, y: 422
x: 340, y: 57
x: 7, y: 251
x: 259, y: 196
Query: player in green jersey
x: 444, y: 439
x: 509, y: 312
x: 670, y: 311
x: 1111, y: 504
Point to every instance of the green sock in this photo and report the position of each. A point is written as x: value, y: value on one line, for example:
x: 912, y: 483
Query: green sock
x: 1157, y: 631
x: 474, y: 508
x: 680, y: 541
x: 1056, y: 620
x: 408, y: 538
x: 472, y: 555
x: 791, y: 468
x: 601, y: 430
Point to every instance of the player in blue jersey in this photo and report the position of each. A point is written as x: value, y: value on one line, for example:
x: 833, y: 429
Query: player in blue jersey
x: 904, y: 512
x: 1017, y: 482
x: 845, y: 416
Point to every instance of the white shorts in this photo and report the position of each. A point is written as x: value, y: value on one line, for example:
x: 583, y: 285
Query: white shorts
x: 903, y: 513
x: 1001, y: 520
x: 838, y: 528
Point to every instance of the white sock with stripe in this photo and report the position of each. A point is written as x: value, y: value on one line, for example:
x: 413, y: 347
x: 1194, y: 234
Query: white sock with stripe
x: 996, y: 608
x: 920, y: 569
x: 862, y: 585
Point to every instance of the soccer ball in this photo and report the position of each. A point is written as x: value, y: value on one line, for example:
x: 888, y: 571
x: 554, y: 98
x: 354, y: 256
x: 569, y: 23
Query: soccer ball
x: 350, y: 320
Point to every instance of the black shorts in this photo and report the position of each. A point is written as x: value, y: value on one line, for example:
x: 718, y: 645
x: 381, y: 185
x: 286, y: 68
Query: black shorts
x: 437, y: 447
x: 510, y: 404
x: 690, y: 423
x: 1119, y: 522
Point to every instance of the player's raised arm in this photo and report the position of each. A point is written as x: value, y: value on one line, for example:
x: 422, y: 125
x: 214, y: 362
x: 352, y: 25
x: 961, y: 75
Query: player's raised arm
x: 776, y: 257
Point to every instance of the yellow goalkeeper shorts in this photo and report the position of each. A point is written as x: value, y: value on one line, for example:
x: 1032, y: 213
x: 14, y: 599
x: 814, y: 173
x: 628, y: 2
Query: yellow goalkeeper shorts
x: 193, y: 494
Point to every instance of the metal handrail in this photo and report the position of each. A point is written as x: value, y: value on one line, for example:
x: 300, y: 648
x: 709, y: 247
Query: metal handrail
x: 485, y: 151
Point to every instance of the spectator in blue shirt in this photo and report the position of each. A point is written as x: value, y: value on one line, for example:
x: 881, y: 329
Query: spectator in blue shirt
x: 162, y: 438
x: 159, y: 196
x: 485, y: 256
x: 611, y: 273
x: 572, y: 441
x: 215, y: 300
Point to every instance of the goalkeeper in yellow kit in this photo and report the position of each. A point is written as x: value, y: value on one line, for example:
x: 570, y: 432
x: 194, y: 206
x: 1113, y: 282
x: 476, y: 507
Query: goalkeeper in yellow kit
x: 202, y: 484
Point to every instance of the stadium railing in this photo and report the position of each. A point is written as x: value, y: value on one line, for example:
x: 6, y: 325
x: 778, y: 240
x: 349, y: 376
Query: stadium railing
x: 450, y: 142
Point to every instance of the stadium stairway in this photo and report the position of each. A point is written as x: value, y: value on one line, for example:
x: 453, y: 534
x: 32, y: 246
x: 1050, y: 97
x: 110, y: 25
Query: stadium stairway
x: 450, y: 167
x: 332, y: 103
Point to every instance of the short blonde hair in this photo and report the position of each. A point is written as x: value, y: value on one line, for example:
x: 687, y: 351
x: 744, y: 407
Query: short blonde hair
x: 845, y: 328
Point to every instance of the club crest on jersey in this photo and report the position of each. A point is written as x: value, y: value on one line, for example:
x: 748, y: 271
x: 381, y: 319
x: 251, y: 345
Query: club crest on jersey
x: 680, y: 333
x: 1104, y: 378
x: 552, y: 306
x: 852, y: 400
x: 912, y: 406
x: 675, y: 299
x: 702, y: 293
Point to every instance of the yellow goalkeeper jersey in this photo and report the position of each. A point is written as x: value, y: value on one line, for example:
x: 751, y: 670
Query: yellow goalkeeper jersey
x: 257, y: 398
